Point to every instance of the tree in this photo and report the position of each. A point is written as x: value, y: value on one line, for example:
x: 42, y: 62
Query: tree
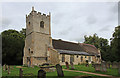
x: 115, y: 44
x: 12, y: 47
x: 100, y: 43
x: 23, y: 31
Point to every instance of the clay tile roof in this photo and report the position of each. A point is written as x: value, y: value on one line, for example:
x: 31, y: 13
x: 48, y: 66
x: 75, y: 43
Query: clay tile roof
x: 65, y: 45
x: 90, y: 48
x: 81, y: 47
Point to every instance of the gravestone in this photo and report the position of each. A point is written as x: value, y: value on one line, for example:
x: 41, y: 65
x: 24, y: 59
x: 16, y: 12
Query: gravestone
x: 12, y: 67
x: 103, y: 67
x: 41, y: 74
x: 92, y: 64
x: 0, y: 66
x: 45, y: 64
x: 72, y: 66
x: 59, y: 70
x: 21, y: 73
x: 97, y: 67
x: 4, y: 67
x: 8, y: 69
x: 115, y: 64
x: 108, y: 64
x: 86, y: 63
x: 67, y: 65
x: 119, y: 68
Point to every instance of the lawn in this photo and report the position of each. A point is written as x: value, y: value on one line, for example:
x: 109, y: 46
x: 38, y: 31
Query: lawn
x: 113, y: 72
x: 34, y: 72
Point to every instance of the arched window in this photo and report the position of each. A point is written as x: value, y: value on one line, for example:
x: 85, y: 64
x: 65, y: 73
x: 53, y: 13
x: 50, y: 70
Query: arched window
x: 81, y: 58
x: 42, y: 24
x: 29, y: 50
x: 29, y: 24
x: 71, y: 58
x: 63, y: 58
x: 77, y: 56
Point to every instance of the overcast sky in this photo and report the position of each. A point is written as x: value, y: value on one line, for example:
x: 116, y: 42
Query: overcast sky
x: 69, y: 20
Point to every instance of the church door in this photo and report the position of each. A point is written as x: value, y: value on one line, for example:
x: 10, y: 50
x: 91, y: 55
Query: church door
x: 28, y: 61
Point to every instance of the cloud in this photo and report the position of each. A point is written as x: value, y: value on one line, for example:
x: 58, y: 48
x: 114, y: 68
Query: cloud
x: 5, y: 22
x: 105, y: 28
x: 114, y: 8
x: 65, y: 31
x: 91, y: 19
x: 80, y: 39
x: 69, y: 20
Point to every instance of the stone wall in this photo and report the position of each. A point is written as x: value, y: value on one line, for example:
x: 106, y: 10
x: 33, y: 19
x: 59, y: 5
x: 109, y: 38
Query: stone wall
x: 38, y: 39
x: 77, y: 59
x: 53, y: 57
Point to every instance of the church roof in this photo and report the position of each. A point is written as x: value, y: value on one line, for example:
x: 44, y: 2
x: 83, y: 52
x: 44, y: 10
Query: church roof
x: 73, y: 52
x: 65, y: 47
x: 89, y: 48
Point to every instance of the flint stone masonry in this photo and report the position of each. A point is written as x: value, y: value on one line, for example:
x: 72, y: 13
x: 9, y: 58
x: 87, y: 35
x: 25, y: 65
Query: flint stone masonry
x: 38, y: 39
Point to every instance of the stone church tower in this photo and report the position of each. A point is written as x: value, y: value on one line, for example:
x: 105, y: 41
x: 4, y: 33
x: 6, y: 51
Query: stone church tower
x: 38, y: 38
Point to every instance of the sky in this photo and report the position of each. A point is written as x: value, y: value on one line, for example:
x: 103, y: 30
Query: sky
x: 70, y: 21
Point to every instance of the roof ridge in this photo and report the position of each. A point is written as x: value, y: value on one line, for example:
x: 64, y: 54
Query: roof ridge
x: 66, y: 41
x: 89, y: 45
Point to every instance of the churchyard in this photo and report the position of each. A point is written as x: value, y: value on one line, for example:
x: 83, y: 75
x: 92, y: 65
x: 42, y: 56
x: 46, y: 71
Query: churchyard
x: 64, y: 71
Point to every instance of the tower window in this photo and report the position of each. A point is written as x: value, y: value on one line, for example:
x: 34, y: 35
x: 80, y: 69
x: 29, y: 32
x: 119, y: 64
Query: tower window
x: 29, y: 50
x: 42, y: 24
x: 29, y: 24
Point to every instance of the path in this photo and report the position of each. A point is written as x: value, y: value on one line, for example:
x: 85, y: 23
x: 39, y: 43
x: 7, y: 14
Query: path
x: 92, y: 73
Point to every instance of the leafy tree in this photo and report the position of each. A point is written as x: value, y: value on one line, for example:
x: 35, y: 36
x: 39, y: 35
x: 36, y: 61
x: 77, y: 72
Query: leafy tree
x: 12, y: 47
x: 100, y: 43
x: 115, y: 44
x: 23, y: 31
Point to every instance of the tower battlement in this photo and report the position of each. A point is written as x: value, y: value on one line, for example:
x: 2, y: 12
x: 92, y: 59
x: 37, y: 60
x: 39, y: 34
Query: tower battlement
x: 38, y: 14
x: 38, y: 37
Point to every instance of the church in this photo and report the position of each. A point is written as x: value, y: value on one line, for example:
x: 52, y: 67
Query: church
x: 40, y: 48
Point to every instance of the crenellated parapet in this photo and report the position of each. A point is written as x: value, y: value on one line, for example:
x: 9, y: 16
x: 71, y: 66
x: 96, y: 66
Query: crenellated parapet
x: 37, y: 14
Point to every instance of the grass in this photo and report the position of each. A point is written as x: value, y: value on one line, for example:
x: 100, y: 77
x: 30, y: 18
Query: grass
x: 34, y: 72
x: 113, y: 72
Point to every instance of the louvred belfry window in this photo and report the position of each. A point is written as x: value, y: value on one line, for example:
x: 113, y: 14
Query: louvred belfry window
x: 42, y: 24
